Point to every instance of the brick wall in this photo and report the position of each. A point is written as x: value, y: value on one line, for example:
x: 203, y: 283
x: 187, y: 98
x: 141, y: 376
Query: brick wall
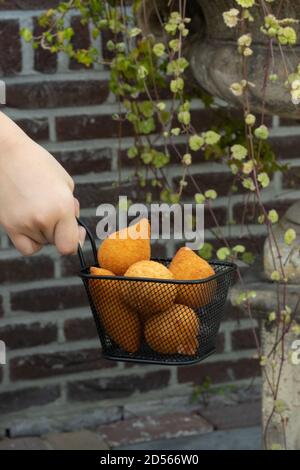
x: 53, y: 351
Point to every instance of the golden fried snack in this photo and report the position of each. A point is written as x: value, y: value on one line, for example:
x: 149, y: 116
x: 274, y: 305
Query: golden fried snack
x: 187, y: 266
x: 120, y: 322
x: 100, y: 272
x: 149, y: 297
x: 124, y: 248
x: 174, y: 331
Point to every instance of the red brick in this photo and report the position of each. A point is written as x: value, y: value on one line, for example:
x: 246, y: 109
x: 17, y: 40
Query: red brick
x: 159, y: 250
x: 253, y: 243
x: 80, y: 328
x: 105, y: 37
x: 39, y: 366
x: 85, y: 161
x: 17, y: 400
x: 291, y: 178
x: 220, y: 343
x: 240, y: 415
x: 221, y: 181
x: 26, y: 269
x: 28, y: 4
x: 118, y: 386
x: 37, y: 129
x: 10, y: 54
x: 219, y: 212
x: 49, y: 298
x: 233, y: 313
x: 289, y: 122
x: 243, y: 339
x: 152, y: 428
x: 90, y: 127
x: 204, y: 119
x: 23, y: 443
x: 70, y: 265
x: 286, y: 147
x: 248, y: 212
x: 44, y: 60
x: 219, y: 372
x: 27, y: 336
x: 80, y: 40
x: 135, y: 162
x: 93, y: 194
x: 56, y: 94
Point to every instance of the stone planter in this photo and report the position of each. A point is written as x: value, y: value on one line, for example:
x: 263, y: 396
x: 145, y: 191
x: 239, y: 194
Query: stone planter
x: 290, y: 254
x: 213, y: 54
x: 289, y: 390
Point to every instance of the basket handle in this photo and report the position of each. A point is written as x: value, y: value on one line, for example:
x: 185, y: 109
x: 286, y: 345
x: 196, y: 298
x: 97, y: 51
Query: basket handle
x: 92, y: 241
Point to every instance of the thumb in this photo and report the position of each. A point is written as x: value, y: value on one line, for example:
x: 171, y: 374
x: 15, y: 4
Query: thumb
x: 66, y: 235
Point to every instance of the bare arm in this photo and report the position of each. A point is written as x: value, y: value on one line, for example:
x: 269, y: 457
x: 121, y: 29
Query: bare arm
x: 37, y: 205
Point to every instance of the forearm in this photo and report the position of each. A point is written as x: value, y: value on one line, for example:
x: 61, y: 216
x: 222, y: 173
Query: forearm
x: 10, y: 134
x: 36, y: 194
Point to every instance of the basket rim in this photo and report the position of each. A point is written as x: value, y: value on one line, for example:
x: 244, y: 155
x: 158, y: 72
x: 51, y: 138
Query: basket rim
x: 231, y: 268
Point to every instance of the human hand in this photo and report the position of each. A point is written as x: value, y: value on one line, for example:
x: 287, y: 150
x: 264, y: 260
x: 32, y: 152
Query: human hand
x: 37, y: 205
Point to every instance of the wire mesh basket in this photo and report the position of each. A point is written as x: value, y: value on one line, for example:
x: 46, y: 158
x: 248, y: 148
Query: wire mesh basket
x: 157, y: 321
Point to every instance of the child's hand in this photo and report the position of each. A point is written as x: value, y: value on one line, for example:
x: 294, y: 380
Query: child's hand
x: 36, y: 195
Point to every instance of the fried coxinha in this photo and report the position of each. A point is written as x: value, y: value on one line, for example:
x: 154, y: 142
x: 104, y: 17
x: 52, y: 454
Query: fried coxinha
x: 165, y: 312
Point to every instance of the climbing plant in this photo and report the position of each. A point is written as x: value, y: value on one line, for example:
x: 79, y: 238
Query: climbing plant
x: 142, y: 71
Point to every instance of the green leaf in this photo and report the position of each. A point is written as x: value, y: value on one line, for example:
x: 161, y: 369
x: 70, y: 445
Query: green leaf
x: 146, y: 108
x: 147, y: 157
x: 199, y: 198
x: 223, y: 253
x: 160, y: 159
x: 206, y: 251
x: 211, y: 194
x: 26, y: 34
x: 239, y: 249
x: 134, y: 32
x: 290, y: 236
x: 248, y: 257
x: 145, y: 127
x: 196, y: 142
x: 264, y: 179
x: 159, y: 49
x: 211, y: 137
x: 132, y: 152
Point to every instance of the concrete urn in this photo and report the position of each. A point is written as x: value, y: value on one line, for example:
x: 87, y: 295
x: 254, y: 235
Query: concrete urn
x: 212, y: 51
x: 290, y: 261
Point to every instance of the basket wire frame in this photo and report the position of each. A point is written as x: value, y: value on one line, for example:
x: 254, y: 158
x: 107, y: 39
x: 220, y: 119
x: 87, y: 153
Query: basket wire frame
x: 137, y: 321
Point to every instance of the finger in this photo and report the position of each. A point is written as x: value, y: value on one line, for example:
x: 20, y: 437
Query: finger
x: 25, y: 245
x: 48, y: 232
x: 66, y: 235
x: 37, y: 237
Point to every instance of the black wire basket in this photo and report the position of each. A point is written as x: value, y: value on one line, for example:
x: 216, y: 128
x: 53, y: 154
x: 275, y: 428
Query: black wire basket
x: 156, y: 321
